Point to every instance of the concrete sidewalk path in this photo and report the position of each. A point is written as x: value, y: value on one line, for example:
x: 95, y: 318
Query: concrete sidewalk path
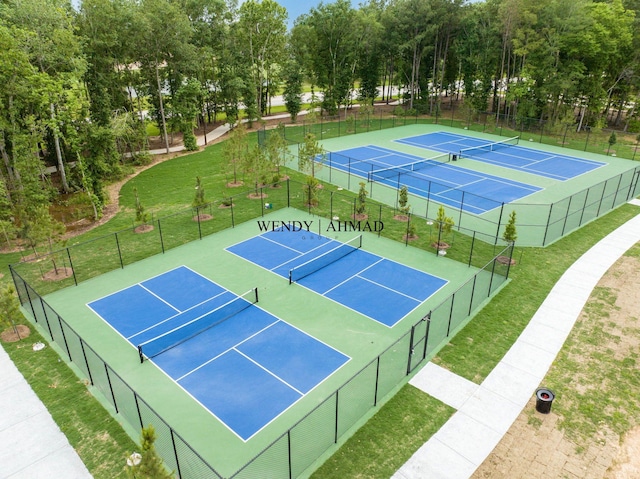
x: 485, y: 412
x: 31, y: 443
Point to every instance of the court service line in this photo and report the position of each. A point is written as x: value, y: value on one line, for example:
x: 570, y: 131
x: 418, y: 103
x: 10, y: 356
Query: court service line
x: 280, y: 244
x: 352, y: 276
x: 388, y: 288
x: 226, y: 350
x: 269, y: 372
x: 154, y: 294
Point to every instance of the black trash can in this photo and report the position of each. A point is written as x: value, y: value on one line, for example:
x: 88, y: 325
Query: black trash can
x: 544, y: 398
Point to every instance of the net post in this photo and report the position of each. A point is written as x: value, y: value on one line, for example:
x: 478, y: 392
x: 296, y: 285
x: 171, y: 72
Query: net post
x: 290, y: 280
x: 140, y: 354
x: 256, y: 291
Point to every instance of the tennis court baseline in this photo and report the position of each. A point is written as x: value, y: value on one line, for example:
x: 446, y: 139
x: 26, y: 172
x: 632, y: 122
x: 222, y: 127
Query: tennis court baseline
x: 244, y: 365
x: 506, y: 154
x: 381, y: 289
x: 432, y: 178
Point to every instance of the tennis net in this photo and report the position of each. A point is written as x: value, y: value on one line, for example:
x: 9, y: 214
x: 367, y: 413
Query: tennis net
x: 325, y: 259
x: 391, y: 171
x: 184, y: 332
x: 498, y: 145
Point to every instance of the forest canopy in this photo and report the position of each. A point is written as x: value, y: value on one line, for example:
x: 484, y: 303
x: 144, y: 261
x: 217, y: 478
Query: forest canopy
x: 81, y: 87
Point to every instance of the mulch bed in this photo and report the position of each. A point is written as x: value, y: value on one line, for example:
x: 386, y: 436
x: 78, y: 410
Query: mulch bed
x: 58, y: 274
x: 506, y: 260
x: 360, y: 217
x: 143, y: 228
x: 257, y: 196
x: 202, y: 217
x: 10, y: 336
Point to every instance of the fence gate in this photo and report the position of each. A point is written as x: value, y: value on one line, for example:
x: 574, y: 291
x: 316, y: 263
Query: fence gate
x: 418, y: 343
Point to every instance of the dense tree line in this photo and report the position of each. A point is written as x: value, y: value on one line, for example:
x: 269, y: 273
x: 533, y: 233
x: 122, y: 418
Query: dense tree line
x: 79, y: 86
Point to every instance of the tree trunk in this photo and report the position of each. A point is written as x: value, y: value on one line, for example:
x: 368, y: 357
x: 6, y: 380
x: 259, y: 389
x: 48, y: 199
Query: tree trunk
x: 164, y: 121
x: 56, y: 142
x: 7, y: 161
x: 413, y: 76
x: 582, y: 111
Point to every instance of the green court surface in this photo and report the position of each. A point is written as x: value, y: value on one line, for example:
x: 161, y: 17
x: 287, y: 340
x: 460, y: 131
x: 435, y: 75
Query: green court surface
x: 543, y: 217
x: 349, y: 332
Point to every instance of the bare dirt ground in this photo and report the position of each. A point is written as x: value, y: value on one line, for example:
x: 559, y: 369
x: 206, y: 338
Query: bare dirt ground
x: 537, y: 446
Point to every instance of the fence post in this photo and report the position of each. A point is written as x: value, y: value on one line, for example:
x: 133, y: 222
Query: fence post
x: 33, y: 311
x: 615, y: 197
x: 546, y: 230
x: 406, y: 236
x: 175, y: 452
x: 198, y: 219
x: 604, y: 189
x: 410, y: 355
x: 113, y: 396
x: 473, y: 240
x: 233, y: 224
x: 499, y: 221
x: 375, y: 392
x: 473, y: 291
x: 566, y: 217
x: 493, y: 272
x: 119, y: 250
x: 426, y: 336
x: 64, y: 336
x: 161, y: 238
x: 335, y: 437
x: 453, y: 300
x: 73, y: 270
x: 86, y: 361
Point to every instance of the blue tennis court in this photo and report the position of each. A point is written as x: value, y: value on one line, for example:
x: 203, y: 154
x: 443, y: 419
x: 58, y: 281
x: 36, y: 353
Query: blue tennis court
x: 505, y: 154
x: 381, y: 289
x: 434, y: 178
x: 243, y: 364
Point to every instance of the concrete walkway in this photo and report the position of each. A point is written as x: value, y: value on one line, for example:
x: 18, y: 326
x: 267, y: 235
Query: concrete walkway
x: 217, y: 133
x: 31, y: 444
x: 485, y: 412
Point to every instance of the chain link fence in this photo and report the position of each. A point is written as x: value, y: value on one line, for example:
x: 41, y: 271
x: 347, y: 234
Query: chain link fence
x: 320, y: 429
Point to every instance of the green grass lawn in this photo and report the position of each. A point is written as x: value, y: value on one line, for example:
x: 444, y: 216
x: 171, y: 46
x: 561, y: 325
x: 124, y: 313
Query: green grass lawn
x: 385, y: 442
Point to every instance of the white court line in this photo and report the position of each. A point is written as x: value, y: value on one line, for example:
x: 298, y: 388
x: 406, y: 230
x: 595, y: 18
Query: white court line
x: 388, y: 288
x: 226, y: 350
x: 154, y: 294
x: 279, y: 244
x: 352, y: 276
x: 269, y: 372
